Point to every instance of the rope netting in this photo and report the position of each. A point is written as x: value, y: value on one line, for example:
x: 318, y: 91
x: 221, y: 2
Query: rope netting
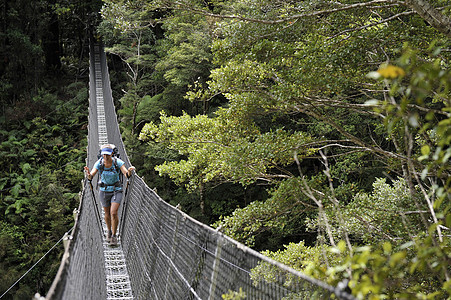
x: 81, y: 274
x: 172, y: 256
x: 168, y: 254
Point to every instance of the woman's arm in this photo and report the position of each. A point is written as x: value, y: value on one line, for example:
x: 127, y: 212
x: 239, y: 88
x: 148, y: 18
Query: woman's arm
x: 91, y: 174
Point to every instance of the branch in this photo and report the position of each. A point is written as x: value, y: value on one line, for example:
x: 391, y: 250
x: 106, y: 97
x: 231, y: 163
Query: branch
x: 374, y: 227
x: 183, y: 6
x: 405, y: 13
x: 307, y: 191
x: 423, y: 8
x: 351, y: 137
x: 431, y: 15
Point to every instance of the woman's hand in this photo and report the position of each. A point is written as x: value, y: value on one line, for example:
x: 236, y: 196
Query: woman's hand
x: 88, y: 174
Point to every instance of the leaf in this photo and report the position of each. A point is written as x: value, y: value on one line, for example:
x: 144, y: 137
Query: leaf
x: 387, y: 247
x: 407, y: 245
x: 425, y: 171
x: 448, y: 220
x: 374, y: 75
x: 413, y: 120
x: 28, y: 153
x: 390, y: 71
x: 16, y: 190
x: 341, y: 246
x: 26, y: 167
x: 372, y: 102
x: 425, y: 150
x: 397, y: 258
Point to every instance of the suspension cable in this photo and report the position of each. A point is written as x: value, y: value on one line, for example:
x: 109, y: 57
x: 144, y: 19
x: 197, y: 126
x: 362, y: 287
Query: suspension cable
x: 36, y: 263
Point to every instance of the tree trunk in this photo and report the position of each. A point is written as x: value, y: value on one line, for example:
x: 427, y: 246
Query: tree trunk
x: 431, y: 15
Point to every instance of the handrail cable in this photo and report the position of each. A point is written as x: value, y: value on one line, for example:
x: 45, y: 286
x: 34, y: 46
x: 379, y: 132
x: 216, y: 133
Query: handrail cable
x: 312, y: 280
x: 99, y: 220
x: 124, y: 205
x: 168, y: 254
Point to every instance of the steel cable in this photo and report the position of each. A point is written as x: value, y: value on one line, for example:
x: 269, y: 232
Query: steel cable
x: 169, y: 255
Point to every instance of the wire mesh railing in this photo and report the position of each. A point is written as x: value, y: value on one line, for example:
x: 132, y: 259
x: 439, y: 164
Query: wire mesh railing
x: 81, y: 274
x: 172, y: 256
x: 169, y: 255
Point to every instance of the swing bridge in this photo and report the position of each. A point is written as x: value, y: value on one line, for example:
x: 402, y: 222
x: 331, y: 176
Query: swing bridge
x: 162, y: 253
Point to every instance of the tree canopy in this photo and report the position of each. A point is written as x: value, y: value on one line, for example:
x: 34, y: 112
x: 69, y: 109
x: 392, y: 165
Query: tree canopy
x: 339, y: 111
x: 43, y: 121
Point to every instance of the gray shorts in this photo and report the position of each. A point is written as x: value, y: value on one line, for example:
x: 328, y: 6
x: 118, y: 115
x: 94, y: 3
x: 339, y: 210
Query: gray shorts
x: 107, y: 197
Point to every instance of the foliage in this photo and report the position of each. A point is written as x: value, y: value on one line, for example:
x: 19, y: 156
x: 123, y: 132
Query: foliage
x: 271, y: 218
x: 390, y: 214
x: 37, y: 202
x: 186, y: 50
x: 242, y: 153
x: 40, y: 41
x: 37, y: 198
x: 41, y: 155
x: 382, y: 271
x: 339, y: 110
x: 232, y: 295
x: 133, y: 39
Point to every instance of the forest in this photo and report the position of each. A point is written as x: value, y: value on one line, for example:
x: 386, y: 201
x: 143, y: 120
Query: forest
x: 317, y: 132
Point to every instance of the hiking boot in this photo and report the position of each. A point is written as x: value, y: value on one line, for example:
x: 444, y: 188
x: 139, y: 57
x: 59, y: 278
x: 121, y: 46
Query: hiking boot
x: 108, y: 237
x: 113, y: 241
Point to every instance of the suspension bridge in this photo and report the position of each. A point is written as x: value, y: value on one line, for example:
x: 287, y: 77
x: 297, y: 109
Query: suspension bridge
x: 162, y: 252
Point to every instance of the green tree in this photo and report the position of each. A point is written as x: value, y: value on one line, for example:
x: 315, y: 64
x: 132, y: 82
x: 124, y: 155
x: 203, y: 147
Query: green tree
x: 41, y: 159
x: 324, y: 98
x: 132, y: 37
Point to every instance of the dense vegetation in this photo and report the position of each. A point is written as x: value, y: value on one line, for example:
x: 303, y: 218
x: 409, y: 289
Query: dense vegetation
x: 43, y: 102
x: 316, y: 131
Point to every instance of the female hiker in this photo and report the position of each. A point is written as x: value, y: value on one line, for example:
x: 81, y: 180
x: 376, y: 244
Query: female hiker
x: 110, y: 193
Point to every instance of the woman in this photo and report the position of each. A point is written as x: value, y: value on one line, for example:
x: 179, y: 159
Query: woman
x: 110, y: 193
